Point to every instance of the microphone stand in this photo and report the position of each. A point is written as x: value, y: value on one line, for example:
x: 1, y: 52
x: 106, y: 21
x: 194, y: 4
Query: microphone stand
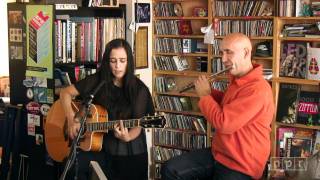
x: 74, y: 147
x: 73, y: 150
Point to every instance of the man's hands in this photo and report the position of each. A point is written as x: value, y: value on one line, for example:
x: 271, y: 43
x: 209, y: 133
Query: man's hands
x: 202, y: 86
x: 121, y: 132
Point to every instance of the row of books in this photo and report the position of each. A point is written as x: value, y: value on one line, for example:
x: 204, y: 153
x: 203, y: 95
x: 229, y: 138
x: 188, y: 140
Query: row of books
x: 250, y: 28
x: 80, y: 39
x: 267, y: 74
x: 183, y: 122
x: 173, y: 103
x: 298, y: 106
x: 309, y: 30
x: 216, y: 47
x: 299, y: 60
x: 72, y: 73
x: 173, y: 27
x: 297, y: 142
x: 287, y: 8
x: 182, y: 140
x: 241, y: 8
x: 315, y: 7
x: 165, y: 9
x: 220, y: 85
x: 171, y: 63
x: 217, y: 65
x: 168, y: 45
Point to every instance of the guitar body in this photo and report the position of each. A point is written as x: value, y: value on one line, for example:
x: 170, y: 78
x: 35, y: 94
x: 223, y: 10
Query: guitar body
x: 56, y: 134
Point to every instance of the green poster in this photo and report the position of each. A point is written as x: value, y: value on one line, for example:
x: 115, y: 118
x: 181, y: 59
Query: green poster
x: 39, y: 41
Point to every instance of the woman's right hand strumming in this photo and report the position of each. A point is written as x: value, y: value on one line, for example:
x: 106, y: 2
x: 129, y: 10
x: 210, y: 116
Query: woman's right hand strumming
x: 66, y: 96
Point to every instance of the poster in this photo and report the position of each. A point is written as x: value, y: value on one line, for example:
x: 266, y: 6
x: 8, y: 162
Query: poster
x: 39, y: 41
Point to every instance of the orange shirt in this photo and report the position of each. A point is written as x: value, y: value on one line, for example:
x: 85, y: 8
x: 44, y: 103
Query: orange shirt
x: 241, y: 118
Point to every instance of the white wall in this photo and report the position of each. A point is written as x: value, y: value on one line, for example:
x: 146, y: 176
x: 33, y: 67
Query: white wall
x: 146, y: 73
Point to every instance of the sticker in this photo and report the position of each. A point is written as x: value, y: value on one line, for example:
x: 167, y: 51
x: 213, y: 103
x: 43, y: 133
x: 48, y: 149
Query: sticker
x: 29, y: 93
x: 44, y: 109
x: 31, y: 128
x: 15, y: 18
x: 28, y: 82
x: 39, y: 139
x: 33, y: 107
x: 15, y: 34
x: 50, y: 97
x: 40, y: 94
x: 39, y: 82
x: 16, y: 52
x: 34, y: 119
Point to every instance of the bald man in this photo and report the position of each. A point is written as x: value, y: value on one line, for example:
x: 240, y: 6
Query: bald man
x: 241, y: 117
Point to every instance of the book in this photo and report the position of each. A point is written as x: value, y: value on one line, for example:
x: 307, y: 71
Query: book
x: 282, y: 134
x: 287, y: 103
x: 293, y: 59
x: 316, y: 146
x: 181, y: 63
x: 185, y: 27
x: 186, y: 103
x: 308, y: 108
x: 299, y: 147
x: 313, y: 63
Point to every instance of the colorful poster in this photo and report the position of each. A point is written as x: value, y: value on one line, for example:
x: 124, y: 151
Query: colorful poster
x: 39, y: 41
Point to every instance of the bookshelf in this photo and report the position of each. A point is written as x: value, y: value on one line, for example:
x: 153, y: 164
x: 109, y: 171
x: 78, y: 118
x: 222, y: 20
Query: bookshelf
x: 284, y: 37
x: 60, y: 46
x: 179, y: 57
x: 256, y: 19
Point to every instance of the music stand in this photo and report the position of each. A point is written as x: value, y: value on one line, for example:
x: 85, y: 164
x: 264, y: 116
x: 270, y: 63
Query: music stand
x: 96, y: 172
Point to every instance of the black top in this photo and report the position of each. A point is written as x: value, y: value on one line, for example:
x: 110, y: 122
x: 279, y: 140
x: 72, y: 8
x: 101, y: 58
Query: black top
x: 119, y: 107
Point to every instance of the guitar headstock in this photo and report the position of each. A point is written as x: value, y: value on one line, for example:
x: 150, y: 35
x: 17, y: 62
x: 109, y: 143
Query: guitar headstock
x: 156, y: 121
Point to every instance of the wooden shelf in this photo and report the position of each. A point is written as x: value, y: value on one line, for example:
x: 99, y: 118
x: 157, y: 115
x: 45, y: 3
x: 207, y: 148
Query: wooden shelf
x: 181, y: 112
x: 176, y: 93
x: 180, y: 18
x: 185, y: 131
x: 244, y: 17
x: 173, y: 0
x: 174, y: 147
x: 298, y: 126
x: 182, y: 54
x: 181, y: 73
x: 297, y: 81
x: 251, y: 37
x: 262, y: 58
x: 305, y: 39
x: 299, y: 18
x: 200, y: 36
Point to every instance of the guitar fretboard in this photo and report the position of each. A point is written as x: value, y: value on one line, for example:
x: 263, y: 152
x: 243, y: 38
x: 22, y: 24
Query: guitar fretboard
x: 104, y: 126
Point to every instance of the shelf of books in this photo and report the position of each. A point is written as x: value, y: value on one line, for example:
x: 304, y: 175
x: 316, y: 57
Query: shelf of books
x: 81, y: 36
x: 296, y: 128
x: 253, y: 18
x: 179, y: 57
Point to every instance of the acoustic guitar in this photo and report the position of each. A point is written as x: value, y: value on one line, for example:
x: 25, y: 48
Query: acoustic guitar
x: 56, y: 130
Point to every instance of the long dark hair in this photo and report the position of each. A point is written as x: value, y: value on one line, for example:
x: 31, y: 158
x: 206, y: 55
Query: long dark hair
x: 129, y: 79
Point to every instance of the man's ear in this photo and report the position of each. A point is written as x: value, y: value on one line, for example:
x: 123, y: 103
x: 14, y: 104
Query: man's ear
x: 247, y: 53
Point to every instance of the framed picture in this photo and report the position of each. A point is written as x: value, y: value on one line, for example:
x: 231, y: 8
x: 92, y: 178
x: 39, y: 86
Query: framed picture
x: 141, y: 49
x: 142, y: 13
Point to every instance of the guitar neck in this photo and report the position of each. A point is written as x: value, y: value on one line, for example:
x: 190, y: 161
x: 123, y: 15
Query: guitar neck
x: 104, y: 126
